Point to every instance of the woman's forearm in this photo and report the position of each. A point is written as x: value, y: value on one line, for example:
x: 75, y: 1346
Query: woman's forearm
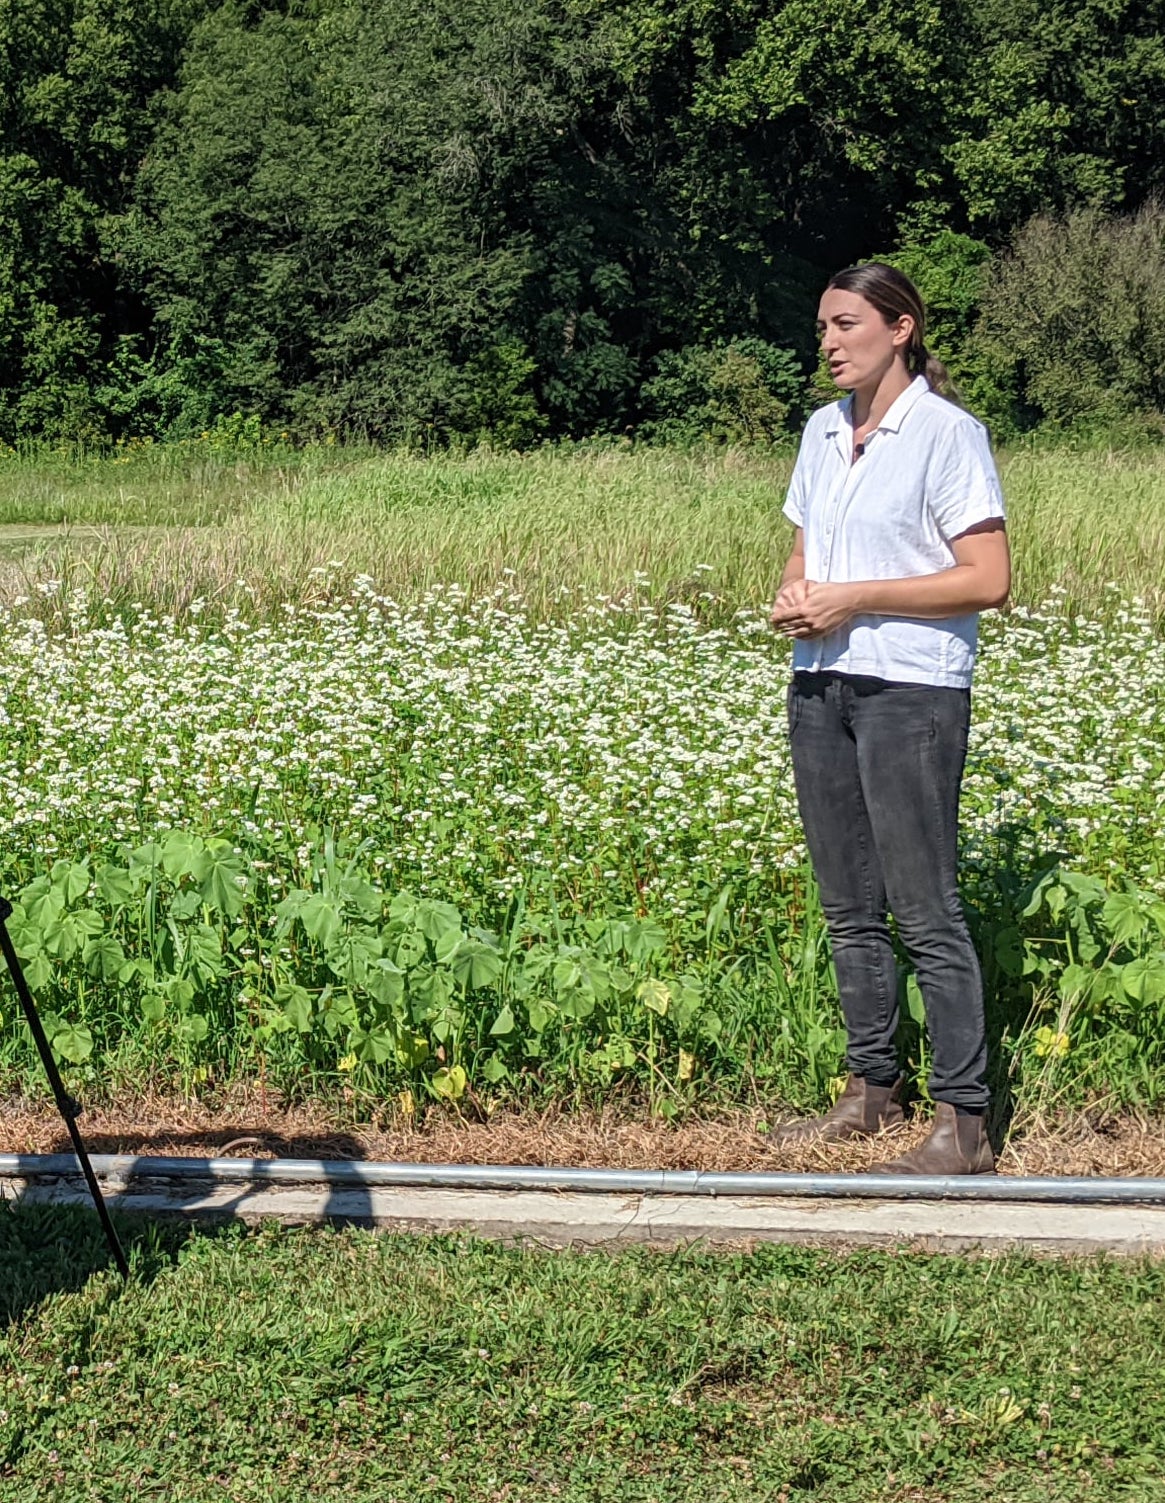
x: 956, y: 591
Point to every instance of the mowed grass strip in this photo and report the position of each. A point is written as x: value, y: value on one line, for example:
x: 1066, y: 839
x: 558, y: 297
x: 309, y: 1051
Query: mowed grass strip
x: 169, y: 527
x: 320, y: 1364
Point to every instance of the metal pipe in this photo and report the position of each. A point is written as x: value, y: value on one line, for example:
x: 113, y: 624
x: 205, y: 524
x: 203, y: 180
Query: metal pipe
x: 124, y: 1168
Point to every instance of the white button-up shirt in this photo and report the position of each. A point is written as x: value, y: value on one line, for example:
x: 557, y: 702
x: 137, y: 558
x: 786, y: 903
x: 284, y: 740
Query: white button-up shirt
x: 925, y: 477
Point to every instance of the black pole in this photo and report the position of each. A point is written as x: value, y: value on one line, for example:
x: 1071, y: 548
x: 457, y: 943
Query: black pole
x: 69, y: 1109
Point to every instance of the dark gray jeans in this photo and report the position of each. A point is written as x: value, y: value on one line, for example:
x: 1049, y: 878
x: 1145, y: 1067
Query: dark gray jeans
x: 877, y: 767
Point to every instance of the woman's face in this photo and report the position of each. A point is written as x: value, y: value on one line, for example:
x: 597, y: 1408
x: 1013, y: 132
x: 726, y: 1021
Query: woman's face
x: 856, y: 340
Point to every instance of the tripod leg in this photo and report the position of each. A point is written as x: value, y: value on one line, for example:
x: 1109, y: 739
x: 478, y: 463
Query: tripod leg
x: 67, y: 1107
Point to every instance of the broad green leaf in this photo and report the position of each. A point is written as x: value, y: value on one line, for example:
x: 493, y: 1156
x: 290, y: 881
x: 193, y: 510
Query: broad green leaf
x: 24, y: 934
x: 1087, y: 948
x: 179, y: 991
x: 203, y: 952
x: 338, y: 1010
x: 1144, y: 979
x: 435, y: 919
x: 538, y: 1014
x: 567, y: 976
x: 537, y: 961
x: 287, y: 909
x: 1008, y: 950
x: 445, y: 1024
x: 146, y: 858
x: 655, y: 995
x: 1087, y: 889
x: 221, y: 876
x: 429, y: 993
x: 321, y: 918
x: 103, y: 957
x: 192, y: 1028
x: 446, y: 945
x: 494, y: 1069
x: 402, y: 908
x: 411, y: 949
x: 578, y: 1003
x: 295, y: 1002
x: 1124, y: 917
x: 351, y: 955
x: 71, y: 879
x: 180, y: 853
x: 44, y: 909
x: 412, y: 1049
x: 450, y: 1084
x: 645, y: 937
x: 69, y: 933
x: 38, y: 971
x: 476, y: 965
x: 185, y: 905
x: 362, y: 895
x: 384, y: 981
x: 613, y: 937
x: 136, y: 969
x: 72, y: 1041
x: 377, y: 1046
x: 687, y: 999
x: 117, y: 885
x: 153, y: 1007
x: 503, y: 1024
x: 595, y: 977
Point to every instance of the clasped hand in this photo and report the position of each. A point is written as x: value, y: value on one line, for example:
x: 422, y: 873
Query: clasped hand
x: 812, y: 608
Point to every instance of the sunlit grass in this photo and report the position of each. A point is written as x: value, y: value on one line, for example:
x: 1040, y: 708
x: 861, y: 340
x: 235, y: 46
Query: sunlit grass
x: 169, y: 528
x: 325, y: 1365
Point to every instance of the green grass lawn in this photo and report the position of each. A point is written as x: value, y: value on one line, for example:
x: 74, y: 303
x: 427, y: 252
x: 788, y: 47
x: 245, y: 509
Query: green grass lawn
x: 295, y: 1365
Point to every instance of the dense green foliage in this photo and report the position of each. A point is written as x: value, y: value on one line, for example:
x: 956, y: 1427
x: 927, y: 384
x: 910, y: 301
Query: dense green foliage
x: 326, y: 1365
x: 471, y: 219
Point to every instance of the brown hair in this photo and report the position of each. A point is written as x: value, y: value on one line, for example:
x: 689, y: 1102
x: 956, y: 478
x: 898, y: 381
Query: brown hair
x: 894, y: 295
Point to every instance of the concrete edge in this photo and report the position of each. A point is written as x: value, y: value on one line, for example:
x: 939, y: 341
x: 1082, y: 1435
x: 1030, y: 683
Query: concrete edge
x: 564, y: 1219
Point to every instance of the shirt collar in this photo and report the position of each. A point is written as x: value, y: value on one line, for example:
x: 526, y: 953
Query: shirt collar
x: 895, y: 414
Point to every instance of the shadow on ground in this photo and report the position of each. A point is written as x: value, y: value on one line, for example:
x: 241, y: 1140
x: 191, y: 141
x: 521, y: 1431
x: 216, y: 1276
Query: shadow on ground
x: 48, y: 1249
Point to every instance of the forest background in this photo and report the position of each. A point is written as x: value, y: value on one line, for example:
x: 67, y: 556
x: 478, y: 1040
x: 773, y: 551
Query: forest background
x: 473, y: 220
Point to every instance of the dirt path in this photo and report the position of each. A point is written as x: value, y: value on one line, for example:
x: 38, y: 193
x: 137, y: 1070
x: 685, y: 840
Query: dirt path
x: 241, y: 1126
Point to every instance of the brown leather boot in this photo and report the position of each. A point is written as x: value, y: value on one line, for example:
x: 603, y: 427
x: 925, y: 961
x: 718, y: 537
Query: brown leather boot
x: 860, y: 1111
x: 958, y: 1144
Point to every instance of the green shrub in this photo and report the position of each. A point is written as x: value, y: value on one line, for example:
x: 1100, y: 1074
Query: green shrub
x: 743, y: 391
x: 1074, y: 316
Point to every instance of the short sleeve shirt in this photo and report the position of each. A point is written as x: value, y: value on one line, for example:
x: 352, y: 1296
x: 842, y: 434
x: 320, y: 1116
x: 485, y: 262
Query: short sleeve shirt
x: 925, y: 477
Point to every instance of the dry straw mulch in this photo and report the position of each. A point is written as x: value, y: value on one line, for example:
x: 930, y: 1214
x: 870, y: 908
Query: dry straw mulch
x: 241, y: 1124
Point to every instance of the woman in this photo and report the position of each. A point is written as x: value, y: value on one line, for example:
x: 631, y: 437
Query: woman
x: 900, y: 542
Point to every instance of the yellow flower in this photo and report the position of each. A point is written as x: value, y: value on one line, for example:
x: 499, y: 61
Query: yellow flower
x: 1050, y: 1042
x: 347, y: 1063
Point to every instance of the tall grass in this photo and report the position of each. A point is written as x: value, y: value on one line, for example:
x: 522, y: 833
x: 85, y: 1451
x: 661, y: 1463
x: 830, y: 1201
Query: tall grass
x: 168, y: 528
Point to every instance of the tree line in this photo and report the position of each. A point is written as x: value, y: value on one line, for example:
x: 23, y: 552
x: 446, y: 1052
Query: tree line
x: 529, y: 219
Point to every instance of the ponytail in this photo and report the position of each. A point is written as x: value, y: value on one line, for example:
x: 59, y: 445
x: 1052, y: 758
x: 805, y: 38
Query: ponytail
x: 920, y: 362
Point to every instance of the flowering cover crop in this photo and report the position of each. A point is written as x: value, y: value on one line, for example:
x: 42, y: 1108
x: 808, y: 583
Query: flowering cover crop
x: 543, y: 787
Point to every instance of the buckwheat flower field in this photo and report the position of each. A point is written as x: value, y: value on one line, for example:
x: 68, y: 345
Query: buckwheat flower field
x: 455, y: 846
